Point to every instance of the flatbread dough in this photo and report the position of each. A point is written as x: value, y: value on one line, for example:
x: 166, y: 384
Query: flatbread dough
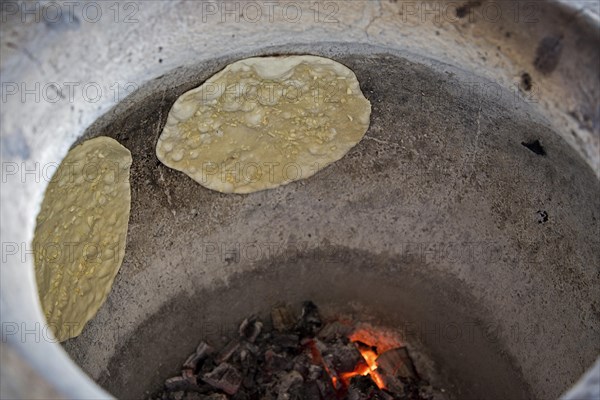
x: 263, y: 122
x: 79, y: 240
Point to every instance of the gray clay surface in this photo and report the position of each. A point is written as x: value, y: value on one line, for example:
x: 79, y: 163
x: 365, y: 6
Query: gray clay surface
x: 441, y: 167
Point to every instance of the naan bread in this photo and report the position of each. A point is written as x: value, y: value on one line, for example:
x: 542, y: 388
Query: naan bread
x: 264, y: 122
x: 79, y: 240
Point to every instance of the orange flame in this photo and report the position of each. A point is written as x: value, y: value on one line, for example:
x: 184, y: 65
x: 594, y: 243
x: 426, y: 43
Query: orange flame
x: 369, y: 369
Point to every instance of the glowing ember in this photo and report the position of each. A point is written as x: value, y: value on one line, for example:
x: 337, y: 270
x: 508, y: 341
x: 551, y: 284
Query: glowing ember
x: 370, y: 368
x: 301, y: 359
x: 382, y: 338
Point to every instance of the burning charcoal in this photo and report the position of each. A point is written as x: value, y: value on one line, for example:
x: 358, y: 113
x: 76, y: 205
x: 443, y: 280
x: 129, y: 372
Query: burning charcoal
x: 310, y: 320
x: 251, y: 383
x: 202, y: 351
x: 334, y: 330
x: 178, y: 383
x: 363, y: 384
x: 297, y: 359
x: 224, y: 377
x: 286, y: 341
x: 292, y: 378
x: 176, y: 395
x: 317, y: 345
x: 215, y: 396
x: 187, y: 382
x: 227, y: 351
x: 247, y: 355
x: 249, y: 369
x: 252, y: 348
x: 397, y: 362
x: 345, y: 357
x: 207, y: 365
x: 314, y: 372
x: 249, y: 380
x: 283, y: 318
x: 383, y: 395
x: 362, y: 387
x: 189, y: 375
x: 317, y: 348
x: 241, y: 395
x: 302, y: 365
x: 365, y: 347
x: 250, y: 329
x: 198, y: 396
x: 405, y: 388
x: 305, y: 391
x: 328, y: 364
x: 395, y: 385
x: 277, y: 362
x: 325, y: 385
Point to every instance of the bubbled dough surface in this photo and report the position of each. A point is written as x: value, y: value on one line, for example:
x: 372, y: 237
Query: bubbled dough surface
x: 263, y: 122
x: 79, y: 240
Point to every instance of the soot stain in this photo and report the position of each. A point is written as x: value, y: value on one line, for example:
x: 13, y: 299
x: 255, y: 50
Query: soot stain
x: 526, y: 81
x: 548, y: 54
x: 535, y: 146
x: 464, y: 10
